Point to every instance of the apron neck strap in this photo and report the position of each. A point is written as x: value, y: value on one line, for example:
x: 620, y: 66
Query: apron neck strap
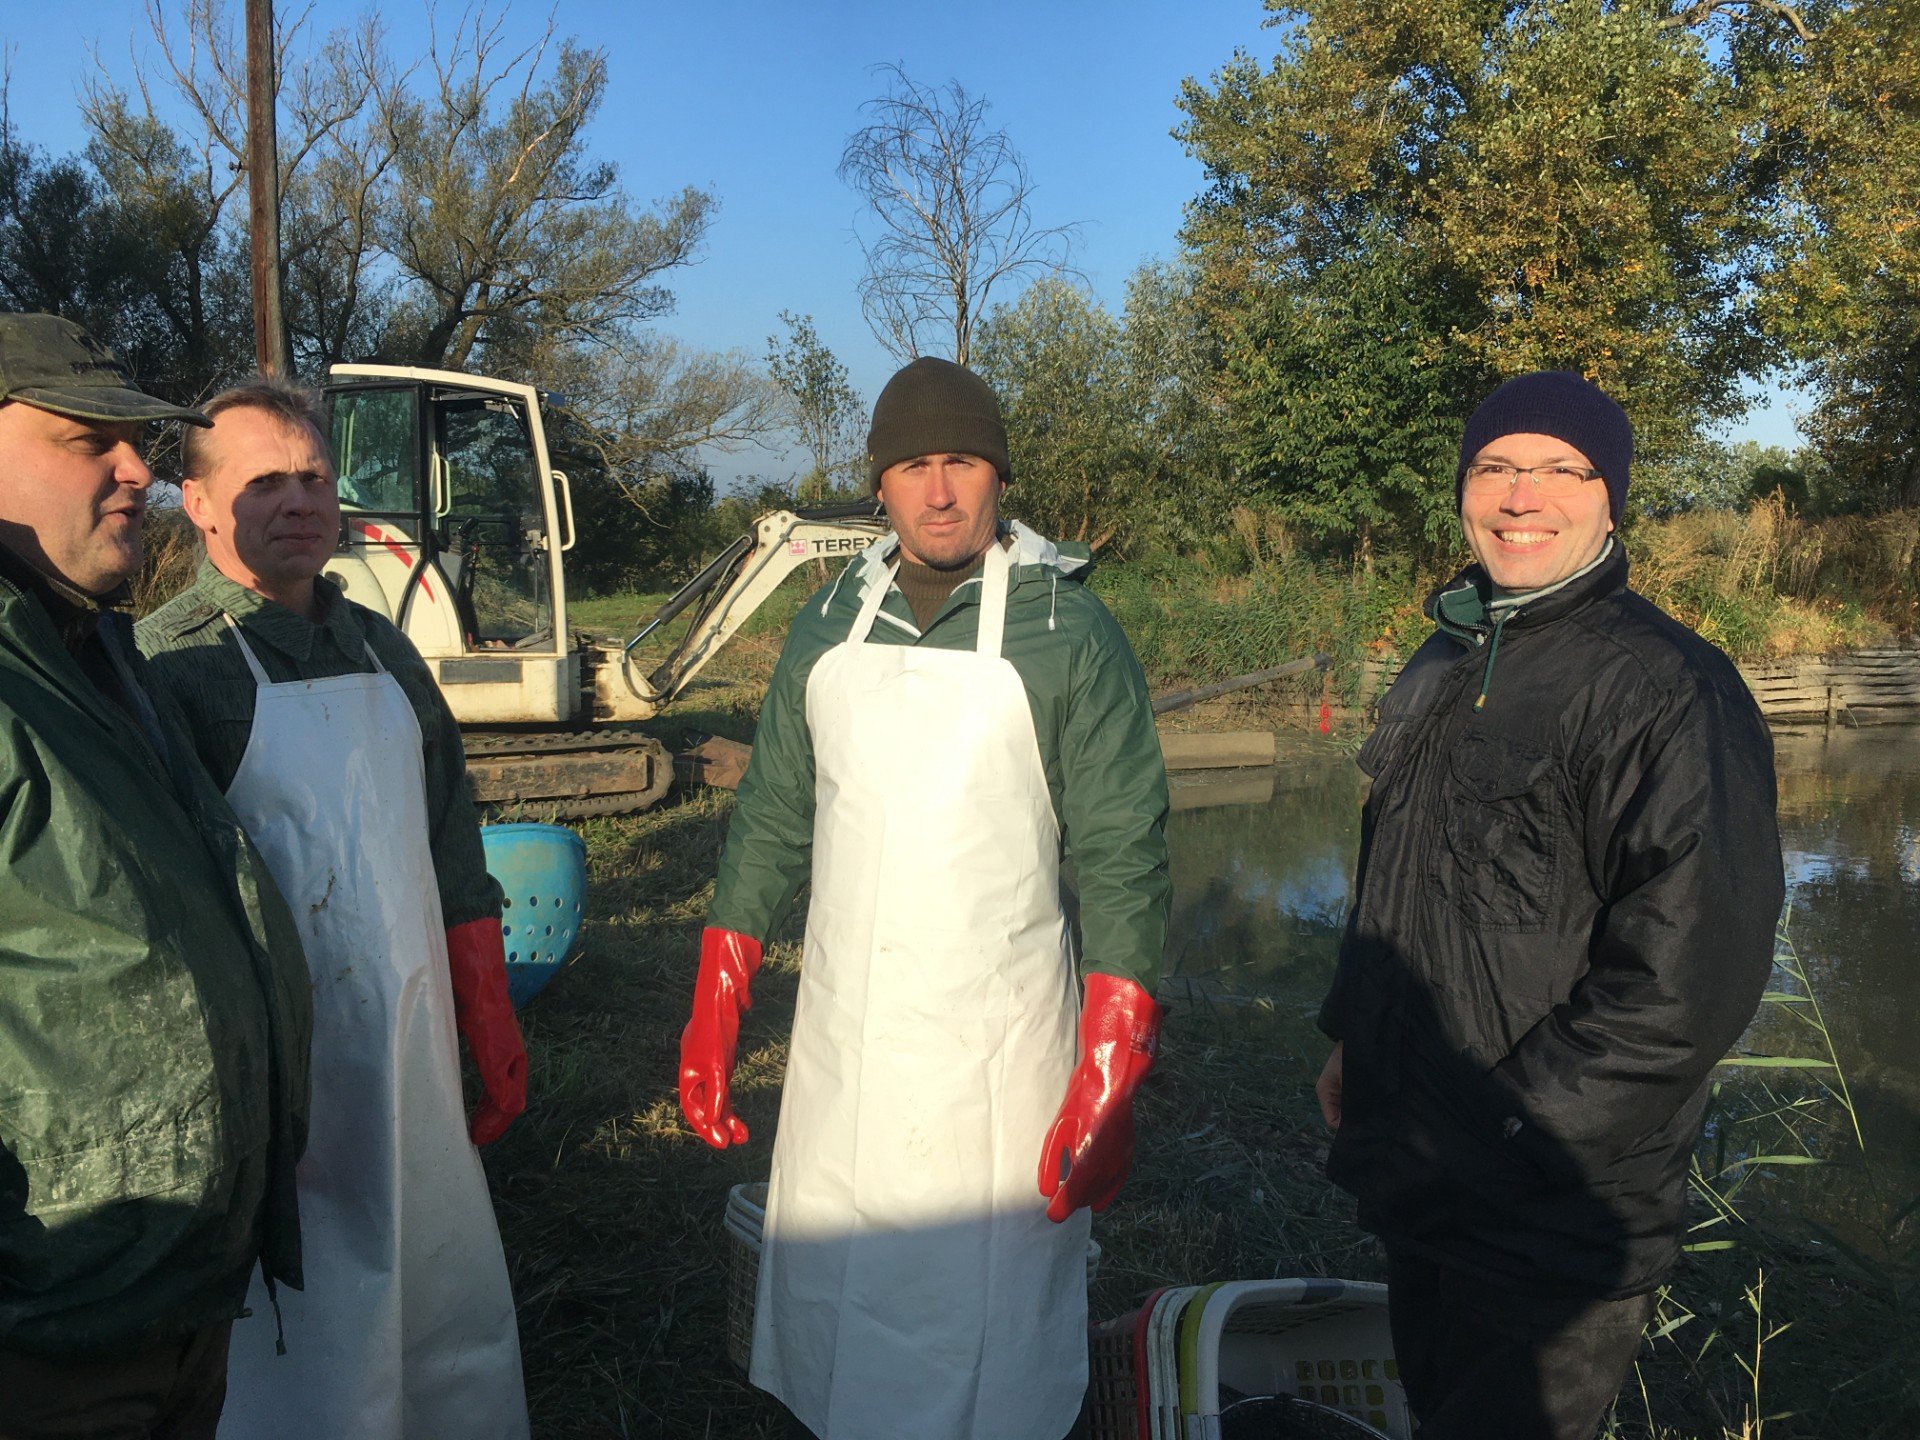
x: 259, y: 671
x: 995, y: 575
x: 246, y: 650
x: 876, y: 591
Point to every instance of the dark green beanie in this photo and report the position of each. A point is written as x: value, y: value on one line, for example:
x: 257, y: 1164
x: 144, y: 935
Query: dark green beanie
x: 935, y: 407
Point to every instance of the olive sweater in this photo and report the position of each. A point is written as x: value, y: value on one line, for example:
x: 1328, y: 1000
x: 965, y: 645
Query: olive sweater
x: 195, y: 662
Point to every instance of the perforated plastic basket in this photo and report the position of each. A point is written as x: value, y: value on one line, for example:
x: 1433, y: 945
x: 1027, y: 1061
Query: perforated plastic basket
x: 1321, y: 1340
x: 1167, y: 1370
x: 1117, y: 1368
x: 542, y: 870
x: 745, y: 1224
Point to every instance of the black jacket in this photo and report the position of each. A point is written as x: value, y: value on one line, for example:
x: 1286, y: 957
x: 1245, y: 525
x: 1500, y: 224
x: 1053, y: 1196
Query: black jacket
x: 1563, y: 918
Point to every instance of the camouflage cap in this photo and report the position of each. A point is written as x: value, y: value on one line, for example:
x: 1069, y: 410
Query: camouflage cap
x: 52, y: 364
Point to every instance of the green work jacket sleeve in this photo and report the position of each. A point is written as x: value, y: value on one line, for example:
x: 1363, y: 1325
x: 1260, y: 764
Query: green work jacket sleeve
x: 770, y: 840
x: 1113, y: 804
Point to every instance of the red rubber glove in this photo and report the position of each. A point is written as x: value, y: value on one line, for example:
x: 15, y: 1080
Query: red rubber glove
x: 477, y: 958
x: 1119, y: 1027
x: 728, y: 963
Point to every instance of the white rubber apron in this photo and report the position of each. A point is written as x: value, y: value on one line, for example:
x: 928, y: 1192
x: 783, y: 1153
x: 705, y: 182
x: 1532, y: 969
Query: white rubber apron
x: 406, y: 1325
x: 911, y: 1284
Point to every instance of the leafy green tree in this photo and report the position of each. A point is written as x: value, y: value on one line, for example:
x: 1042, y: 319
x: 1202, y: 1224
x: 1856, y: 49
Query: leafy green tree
x: 1056, y: 360
x: 1113, y: 439
x: 1844, y: 291
x: 822, y: 406
x: 1417, y: 198
x: 1344, y: 415
x: 1173, y: 358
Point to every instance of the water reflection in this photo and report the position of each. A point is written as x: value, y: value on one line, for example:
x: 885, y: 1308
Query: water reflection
x: 1261, y: 892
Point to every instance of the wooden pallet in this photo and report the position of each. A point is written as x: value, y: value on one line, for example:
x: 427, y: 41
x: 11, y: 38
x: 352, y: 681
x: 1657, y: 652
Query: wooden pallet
x: 1861, y: 687
x: 1858, y: 687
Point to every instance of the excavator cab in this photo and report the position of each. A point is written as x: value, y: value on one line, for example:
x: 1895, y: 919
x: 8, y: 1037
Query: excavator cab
x: 453, y: 525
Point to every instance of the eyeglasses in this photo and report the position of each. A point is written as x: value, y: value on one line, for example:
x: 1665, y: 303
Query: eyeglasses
x: 1555, y: 482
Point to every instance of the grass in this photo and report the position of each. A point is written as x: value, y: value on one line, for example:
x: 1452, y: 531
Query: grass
x: 1771, y: 1324
x: 611, y: 1210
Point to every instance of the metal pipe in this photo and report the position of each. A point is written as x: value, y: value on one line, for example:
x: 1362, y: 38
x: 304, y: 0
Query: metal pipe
x: 1180, y: 699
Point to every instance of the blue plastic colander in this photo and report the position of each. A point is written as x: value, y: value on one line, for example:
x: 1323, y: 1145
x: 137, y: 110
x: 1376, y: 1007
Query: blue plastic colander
x: 542, y: 869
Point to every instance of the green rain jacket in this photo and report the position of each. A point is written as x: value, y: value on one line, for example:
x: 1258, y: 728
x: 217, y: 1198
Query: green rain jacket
x: 1091, y: 716
x: 154, y: 1018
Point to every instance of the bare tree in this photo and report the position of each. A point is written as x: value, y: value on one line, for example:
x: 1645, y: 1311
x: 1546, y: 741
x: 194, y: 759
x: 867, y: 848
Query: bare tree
x: 646, y: 405
x: 330, y: 106
x: 448, y: 213
x: 951, y: 201
x: 438, y: 224
x: 501, y: 218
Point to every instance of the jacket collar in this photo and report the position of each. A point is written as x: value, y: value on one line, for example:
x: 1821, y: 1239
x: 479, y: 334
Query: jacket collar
x: 75, y: 614
x: 292, y: 635
x: 1465, y: 606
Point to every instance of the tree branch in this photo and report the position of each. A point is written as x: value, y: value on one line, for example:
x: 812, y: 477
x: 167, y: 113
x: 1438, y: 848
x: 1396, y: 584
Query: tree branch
x: 1701, y: 11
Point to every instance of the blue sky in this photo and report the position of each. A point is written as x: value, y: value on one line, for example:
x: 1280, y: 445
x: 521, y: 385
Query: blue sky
x: 753, y: 101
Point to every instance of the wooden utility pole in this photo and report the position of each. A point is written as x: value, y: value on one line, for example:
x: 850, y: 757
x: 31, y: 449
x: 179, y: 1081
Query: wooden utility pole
x: 263, y: 188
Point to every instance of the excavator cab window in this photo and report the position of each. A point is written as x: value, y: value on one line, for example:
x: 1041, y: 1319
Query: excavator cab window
x: 376, y: 445
x: 489, y: 522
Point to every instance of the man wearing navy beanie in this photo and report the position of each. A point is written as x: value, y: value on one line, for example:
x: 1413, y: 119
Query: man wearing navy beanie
x: 1563, y: 918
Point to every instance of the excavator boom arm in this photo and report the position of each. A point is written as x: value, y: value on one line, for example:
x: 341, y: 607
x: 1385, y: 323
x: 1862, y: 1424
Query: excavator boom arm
x: 737, y: 582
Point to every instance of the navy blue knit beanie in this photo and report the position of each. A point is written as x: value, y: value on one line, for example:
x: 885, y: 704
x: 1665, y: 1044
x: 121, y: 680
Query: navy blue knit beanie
x: 1566, y: 406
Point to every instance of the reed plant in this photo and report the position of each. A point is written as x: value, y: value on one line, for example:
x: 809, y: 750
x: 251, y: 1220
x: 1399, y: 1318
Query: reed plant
x: 1766, y: 582
x: 1719, y: 1352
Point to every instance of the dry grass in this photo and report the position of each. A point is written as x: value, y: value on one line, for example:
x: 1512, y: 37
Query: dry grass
x: 1770, y: 583
x: 173, y: 557
x: 609, y: 1208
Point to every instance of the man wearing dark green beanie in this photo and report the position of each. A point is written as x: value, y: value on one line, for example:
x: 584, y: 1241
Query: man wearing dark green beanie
x: 950, y: 720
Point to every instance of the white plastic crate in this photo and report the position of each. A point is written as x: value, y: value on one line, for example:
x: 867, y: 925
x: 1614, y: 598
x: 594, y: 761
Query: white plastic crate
x: 1320, y: 1340
x: 1168, y: 1369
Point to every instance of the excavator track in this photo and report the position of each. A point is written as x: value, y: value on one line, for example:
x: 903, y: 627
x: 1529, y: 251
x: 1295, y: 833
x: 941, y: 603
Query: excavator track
x: 566, y: 775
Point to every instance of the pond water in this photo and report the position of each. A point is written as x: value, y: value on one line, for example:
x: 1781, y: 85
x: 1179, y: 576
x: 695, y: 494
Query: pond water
x: 1263, y: 863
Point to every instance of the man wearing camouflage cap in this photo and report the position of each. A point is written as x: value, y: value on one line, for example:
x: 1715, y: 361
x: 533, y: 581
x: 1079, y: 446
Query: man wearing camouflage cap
x: 154, y: 1013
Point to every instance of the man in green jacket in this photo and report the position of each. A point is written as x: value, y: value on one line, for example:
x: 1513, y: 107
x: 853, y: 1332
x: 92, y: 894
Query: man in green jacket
x: 948, y: 722
x: 154, y: 1013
